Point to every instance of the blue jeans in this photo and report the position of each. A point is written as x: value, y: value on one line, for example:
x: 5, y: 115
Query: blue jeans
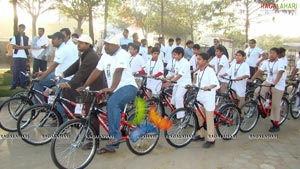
x: 45, y: 82
x: 19, y: 65
x: 59, y: 107
x: 115, y: 105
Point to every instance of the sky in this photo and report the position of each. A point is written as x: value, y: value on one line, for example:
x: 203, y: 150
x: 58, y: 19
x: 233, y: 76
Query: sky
x: 284, y: 25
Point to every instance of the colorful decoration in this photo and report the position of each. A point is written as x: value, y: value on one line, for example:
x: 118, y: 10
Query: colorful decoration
x: 141, y: 108
x: 159, y: 121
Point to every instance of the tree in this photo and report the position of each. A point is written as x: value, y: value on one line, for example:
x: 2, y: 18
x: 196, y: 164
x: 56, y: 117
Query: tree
x: 75, y: 9
x: 14, y: 2
x: 35, y: 8
x: 91, y: 5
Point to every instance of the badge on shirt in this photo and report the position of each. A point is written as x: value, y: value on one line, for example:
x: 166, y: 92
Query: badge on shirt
x: 108, y: 75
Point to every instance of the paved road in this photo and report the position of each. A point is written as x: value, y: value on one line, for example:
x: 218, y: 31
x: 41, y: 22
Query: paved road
x: 244, y: 152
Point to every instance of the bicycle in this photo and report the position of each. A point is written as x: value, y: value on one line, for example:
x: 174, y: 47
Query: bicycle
x: 261, y: 106
x: 66, y: 145
x: 227, y: 120
x: 295, y: 105
x: 230, y: 96
x: 13, y: 107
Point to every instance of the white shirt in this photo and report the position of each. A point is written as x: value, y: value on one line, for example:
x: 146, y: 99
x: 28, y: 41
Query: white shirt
x: 64, y: 58
x: 215, y: 62
x: 204, y: 78
x: 182, y: 67
x: 298, y: 64
x: 109, y: 64
x: 238, y: 70
x: 252, y: 55
x: 273, y: 68
x: 193, y: 62
x: 152, y: 68
x: 144, y: 52
x: 168, y: 55
x: 171, y: 67
x: 37, y: 43
x: 72, y: 47
x: 136, y: 63
x: 21, y: 52
x: 125, y: 41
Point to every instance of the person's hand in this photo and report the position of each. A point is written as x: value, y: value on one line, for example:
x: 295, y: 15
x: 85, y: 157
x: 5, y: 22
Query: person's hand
x: 37, y: 74
x: 64, y: 86
x: 80, y: 89
x: 206, y: 88
x: 250, y: 81
x: 106, y: 90
x: 44, y: 46
x: 44, y: 57
x: 222, y: 76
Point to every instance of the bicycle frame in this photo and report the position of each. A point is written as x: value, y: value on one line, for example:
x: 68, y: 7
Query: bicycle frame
x: 266, y: 112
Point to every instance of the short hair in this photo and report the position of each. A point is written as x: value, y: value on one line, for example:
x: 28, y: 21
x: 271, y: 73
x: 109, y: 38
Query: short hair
x: 75, y: 35
x: 155, y: 49
x: 171, y: 40
x: 275, y: 50
x: 159, y: 38
x: 189, y: 42
x: 66, y: 30
x: 149, y: 47
x: 134, y: 34
x: 204, y: 56
x: 22, y: 25
x: 241, y: 52
x: 157, y: 44
x: 178, y: 50
x: 196, y: 46
x: 220, y: 48
x: 134, y: 46
x: 43, y: 29
x: 144, y: 40
x: 178, y: 39
x: 126, y: 30
x: 252, y: 40
x: 282, y: 50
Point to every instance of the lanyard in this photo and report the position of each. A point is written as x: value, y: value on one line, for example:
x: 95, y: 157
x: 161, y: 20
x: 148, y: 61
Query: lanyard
x: 131, y: 60
x: 236, y: 70
x: 271, y: 69
x: 151, y: 68
x: 173, y: 65
x: 249, y: 52
x: 200, y: 80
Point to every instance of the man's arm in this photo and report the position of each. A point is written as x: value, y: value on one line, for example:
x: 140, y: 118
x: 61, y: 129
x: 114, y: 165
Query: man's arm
x: 49, y: 70
x: 95, y: 74
x: 262, y: 58
x: 116, y: 78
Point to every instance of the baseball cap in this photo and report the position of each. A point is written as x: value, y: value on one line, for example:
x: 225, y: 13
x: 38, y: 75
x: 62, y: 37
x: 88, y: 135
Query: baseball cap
x: 112, y: 40
x: 85, y: 38
x: 56, y: 35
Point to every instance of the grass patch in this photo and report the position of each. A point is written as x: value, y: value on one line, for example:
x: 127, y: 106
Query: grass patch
x: 5, y: 92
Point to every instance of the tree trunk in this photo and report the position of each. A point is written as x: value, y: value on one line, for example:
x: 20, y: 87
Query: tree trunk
x: 162, y: 18
x: 192, y: 32
x: 105, y: 18
x: 91, y: 30
x: 33, y: 24
x: 79, y: 24
x: 15, y: 17
x: 247, y: 21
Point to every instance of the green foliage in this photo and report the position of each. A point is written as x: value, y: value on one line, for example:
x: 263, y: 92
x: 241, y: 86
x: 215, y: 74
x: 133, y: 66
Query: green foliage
x: 266, y: 42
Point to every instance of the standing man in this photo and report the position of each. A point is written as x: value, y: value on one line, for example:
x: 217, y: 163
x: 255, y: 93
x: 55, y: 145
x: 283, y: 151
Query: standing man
x: 121, y: 84
x: 143, y: 49
x: 178, y: 42
x: 188, y: 51
x: 161, y: 42
x: 125, y: 40
x: 168, y: 57
x: 40, y: 51
x: 135, y: 38
x: 21, y: 45
x: 72, y: 47
x: 212, y: 50
x: 255, y: 56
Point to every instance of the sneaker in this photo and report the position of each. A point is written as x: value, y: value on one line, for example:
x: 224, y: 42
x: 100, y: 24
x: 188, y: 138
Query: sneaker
x: 274, y: 129
x: 198, y: 138
x: 208, y: 144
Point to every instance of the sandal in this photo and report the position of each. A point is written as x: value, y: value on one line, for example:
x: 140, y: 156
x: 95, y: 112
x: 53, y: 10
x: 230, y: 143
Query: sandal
x: 105, y: 150
x: 114, y: 142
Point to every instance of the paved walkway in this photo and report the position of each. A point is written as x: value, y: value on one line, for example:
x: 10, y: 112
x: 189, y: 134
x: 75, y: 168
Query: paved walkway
x: 281, y: 151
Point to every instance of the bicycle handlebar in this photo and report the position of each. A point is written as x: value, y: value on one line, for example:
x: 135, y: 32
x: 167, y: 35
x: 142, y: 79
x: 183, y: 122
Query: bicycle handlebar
x: 195, y: 87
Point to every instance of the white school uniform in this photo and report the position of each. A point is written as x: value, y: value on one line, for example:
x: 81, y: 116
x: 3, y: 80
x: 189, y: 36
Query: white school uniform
x: 182, y: 67
x: 193, y: 62
x: 171, y: 68
x: 152, y: 68
x: 215, y: 62
x: 136, y: 63
x: 205, y: 78
x: 109, y: 64
x: 252, y: 55
x: 237, y: 70
x: 272, y: 69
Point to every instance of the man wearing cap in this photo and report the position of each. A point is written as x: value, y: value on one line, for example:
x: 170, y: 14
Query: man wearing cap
x: 62, y: 60
x: 121, y: 83
x: 81, y: 70
x: 212, y: 50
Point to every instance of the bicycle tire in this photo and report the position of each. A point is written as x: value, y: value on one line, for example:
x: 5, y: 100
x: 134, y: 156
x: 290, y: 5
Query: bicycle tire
x: 39, y: 118
x: 249, y: 109
x: 295, y: 105
x: 284, y: 113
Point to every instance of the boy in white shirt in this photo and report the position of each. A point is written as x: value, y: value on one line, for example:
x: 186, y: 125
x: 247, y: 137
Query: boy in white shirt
x: 153, y: 68
x: 221, y: 65
x: 275, y: 69
x: 193, y: 60
x: 182, y: 76
x: 207, y: 80
x: 136, y: 61
x: 296, y: 68
x: 240, y: 71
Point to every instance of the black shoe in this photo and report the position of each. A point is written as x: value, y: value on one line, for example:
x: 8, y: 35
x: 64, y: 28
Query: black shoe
x: 208, y: 144
x: 198, y: 138
x: 274, y: 129
x: 12, y: 88
x: 87, y: 146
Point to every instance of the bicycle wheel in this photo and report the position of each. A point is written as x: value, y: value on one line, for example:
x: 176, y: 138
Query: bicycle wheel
x: 22, y: 92
x: 10, y: 111
x: 295, y: 105
x: 291, y: 89
x: 284, y: 110
x: 66, y: 145
x: 249, y: 95
x: 183, y: 129
x: 250, y: 116
x: 37, y: 124
x: 228, y: 124
x: 146, y: 143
